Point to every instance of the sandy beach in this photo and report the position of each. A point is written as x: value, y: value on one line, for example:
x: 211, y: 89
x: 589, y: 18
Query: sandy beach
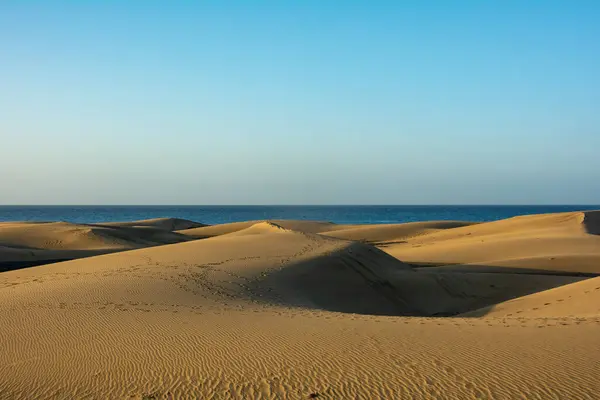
x: 168, y: 308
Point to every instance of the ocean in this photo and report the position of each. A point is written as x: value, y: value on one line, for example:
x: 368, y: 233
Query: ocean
x: 222, y: 214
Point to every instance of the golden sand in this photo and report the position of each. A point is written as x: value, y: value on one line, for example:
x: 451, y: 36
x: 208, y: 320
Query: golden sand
x: 297, y: 309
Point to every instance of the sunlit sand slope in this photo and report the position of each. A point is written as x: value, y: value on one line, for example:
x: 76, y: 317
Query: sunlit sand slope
x: 392, y: 232
x: 565, y: 242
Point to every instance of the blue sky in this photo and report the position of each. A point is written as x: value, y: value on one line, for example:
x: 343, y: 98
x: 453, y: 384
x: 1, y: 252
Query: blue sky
x: 300, y: 102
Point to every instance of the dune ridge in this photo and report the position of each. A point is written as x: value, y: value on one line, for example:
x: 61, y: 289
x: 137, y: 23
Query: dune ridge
x: 301, y: 309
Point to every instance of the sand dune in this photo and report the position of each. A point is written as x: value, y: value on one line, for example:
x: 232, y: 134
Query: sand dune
x: 282, y: 309
x: 392, y: 232
x: 301, y: 226
x: 169, y: 224
x: 554, y: 242
x: 23, y: 243
x: 264, y: 263
x: 564, y: 264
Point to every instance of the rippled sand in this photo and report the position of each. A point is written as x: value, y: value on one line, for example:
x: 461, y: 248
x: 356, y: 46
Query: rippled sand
x: 296, y: 309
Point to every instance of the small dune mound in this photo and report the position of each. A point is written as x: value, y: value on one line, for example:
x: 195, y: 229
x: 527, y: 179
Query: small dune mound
x: 261, y: 228
x: 49, y: 236
x: 67, y: 236
x: 223, y: 229
x: 168, y: 224
x: 32, y: 243
x: 204, y: 232
x: 134, y: 237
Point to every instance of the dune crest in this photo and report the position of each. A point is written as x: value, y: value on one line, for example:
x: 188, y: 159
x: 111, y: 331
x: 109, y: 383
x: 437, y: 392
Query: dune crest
x: 260, y: 228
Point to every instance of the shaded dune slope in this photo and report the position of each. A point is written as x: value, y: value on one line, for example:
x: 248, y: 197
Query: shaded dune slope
x: 591, y: 222
x: 581, y: 299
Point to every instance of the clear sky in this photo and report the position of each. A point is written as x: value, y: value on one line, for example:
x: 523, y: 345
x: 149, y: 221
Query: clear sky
x: 300, y: 102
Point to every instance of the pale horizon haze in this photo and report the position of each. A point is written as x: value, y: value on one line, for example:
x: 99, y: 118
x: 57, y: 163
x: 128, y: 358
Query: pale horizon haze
x: 300, y: 102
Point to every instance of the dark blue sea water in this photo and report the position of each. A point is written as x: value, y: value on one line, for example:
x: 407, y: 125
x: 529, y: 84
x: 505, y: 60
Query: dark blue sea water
x: 222, y: 214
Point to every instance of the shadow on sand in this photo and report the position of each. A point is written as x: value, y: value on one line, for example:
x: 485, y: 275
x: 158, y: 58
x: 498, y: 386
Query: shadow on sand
x: 361, y: 279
